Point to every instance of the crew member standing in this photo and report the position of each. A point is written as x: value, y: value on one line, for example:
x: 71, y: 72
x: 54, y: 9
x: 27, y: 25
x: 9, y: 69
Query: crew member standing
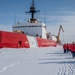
x: 73, y: 50
x: 65, y: 48
x: 68, y: 47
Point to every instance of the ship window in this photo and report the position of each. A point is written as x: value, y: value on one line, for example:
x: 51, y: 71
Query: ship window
x: 44, y: 27
x: 26, y: 26
x: 40, y: 36
x: 34, y: 26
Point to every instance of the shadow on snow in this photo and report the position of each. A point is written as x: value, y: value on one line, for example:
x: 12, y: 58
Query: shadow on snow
x: 58, y: 62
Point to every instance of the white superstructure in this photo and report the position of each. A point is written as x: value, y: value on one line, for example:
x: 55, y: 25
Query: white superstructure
x: 33, y: 29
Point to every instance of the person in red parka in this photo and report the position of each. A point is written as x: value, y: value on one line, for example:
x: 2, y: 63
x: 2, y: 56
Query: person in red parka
x: 65, y: 47
x: 68, y: 47
x: 73, y: 49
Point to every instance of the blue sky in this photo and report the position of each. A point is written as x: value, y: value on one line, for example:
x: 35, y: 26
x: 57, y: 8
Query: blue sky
x: 56, y: 12
x: 51, y: 7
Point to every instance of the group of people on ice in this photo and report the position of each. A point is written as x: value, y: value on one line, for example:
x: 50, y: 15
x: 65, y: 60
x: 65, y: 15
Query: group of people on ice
x: 69, y: 47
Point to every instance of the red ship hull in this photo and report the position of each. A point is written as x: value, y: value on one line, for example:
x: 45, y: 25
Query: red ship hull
x: 19, y: 40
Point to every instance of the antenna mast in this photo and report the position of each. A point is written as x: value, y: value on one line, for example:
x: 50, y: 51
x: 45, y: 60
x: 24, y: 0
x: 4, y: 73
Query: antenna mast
x: 32, y: 11
x: 15, y: 18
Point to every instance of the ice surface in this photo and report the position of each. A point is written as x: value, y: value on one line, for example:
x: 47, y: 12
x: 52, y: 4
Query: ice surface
x: 36, y: 61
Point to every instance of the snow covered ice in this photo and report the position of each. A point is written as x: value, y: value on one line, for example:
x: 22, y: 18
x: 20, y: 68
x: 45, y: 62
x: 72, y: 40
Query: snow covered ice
x: 36, y: 61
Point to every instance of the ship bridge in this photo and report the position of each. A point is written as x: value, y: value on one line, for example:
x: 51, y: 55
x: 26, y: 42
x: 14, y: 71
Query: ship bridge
x: 33, y: 27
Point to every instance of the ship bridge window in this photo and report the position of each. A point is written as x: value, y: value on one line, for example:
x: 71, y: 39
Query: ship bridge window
x: 44, y: 27
x: 25, y: 26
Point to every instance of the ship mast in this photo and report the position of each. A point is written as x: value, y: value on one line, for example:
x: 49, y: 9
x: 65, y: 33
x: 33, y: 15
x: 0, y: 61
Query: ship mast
x: 32, y: 11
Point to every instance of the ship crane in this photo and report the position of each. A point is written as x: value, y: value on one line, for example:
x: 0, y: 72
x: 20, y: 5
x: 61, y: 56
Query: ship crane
x: 58, y: 36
